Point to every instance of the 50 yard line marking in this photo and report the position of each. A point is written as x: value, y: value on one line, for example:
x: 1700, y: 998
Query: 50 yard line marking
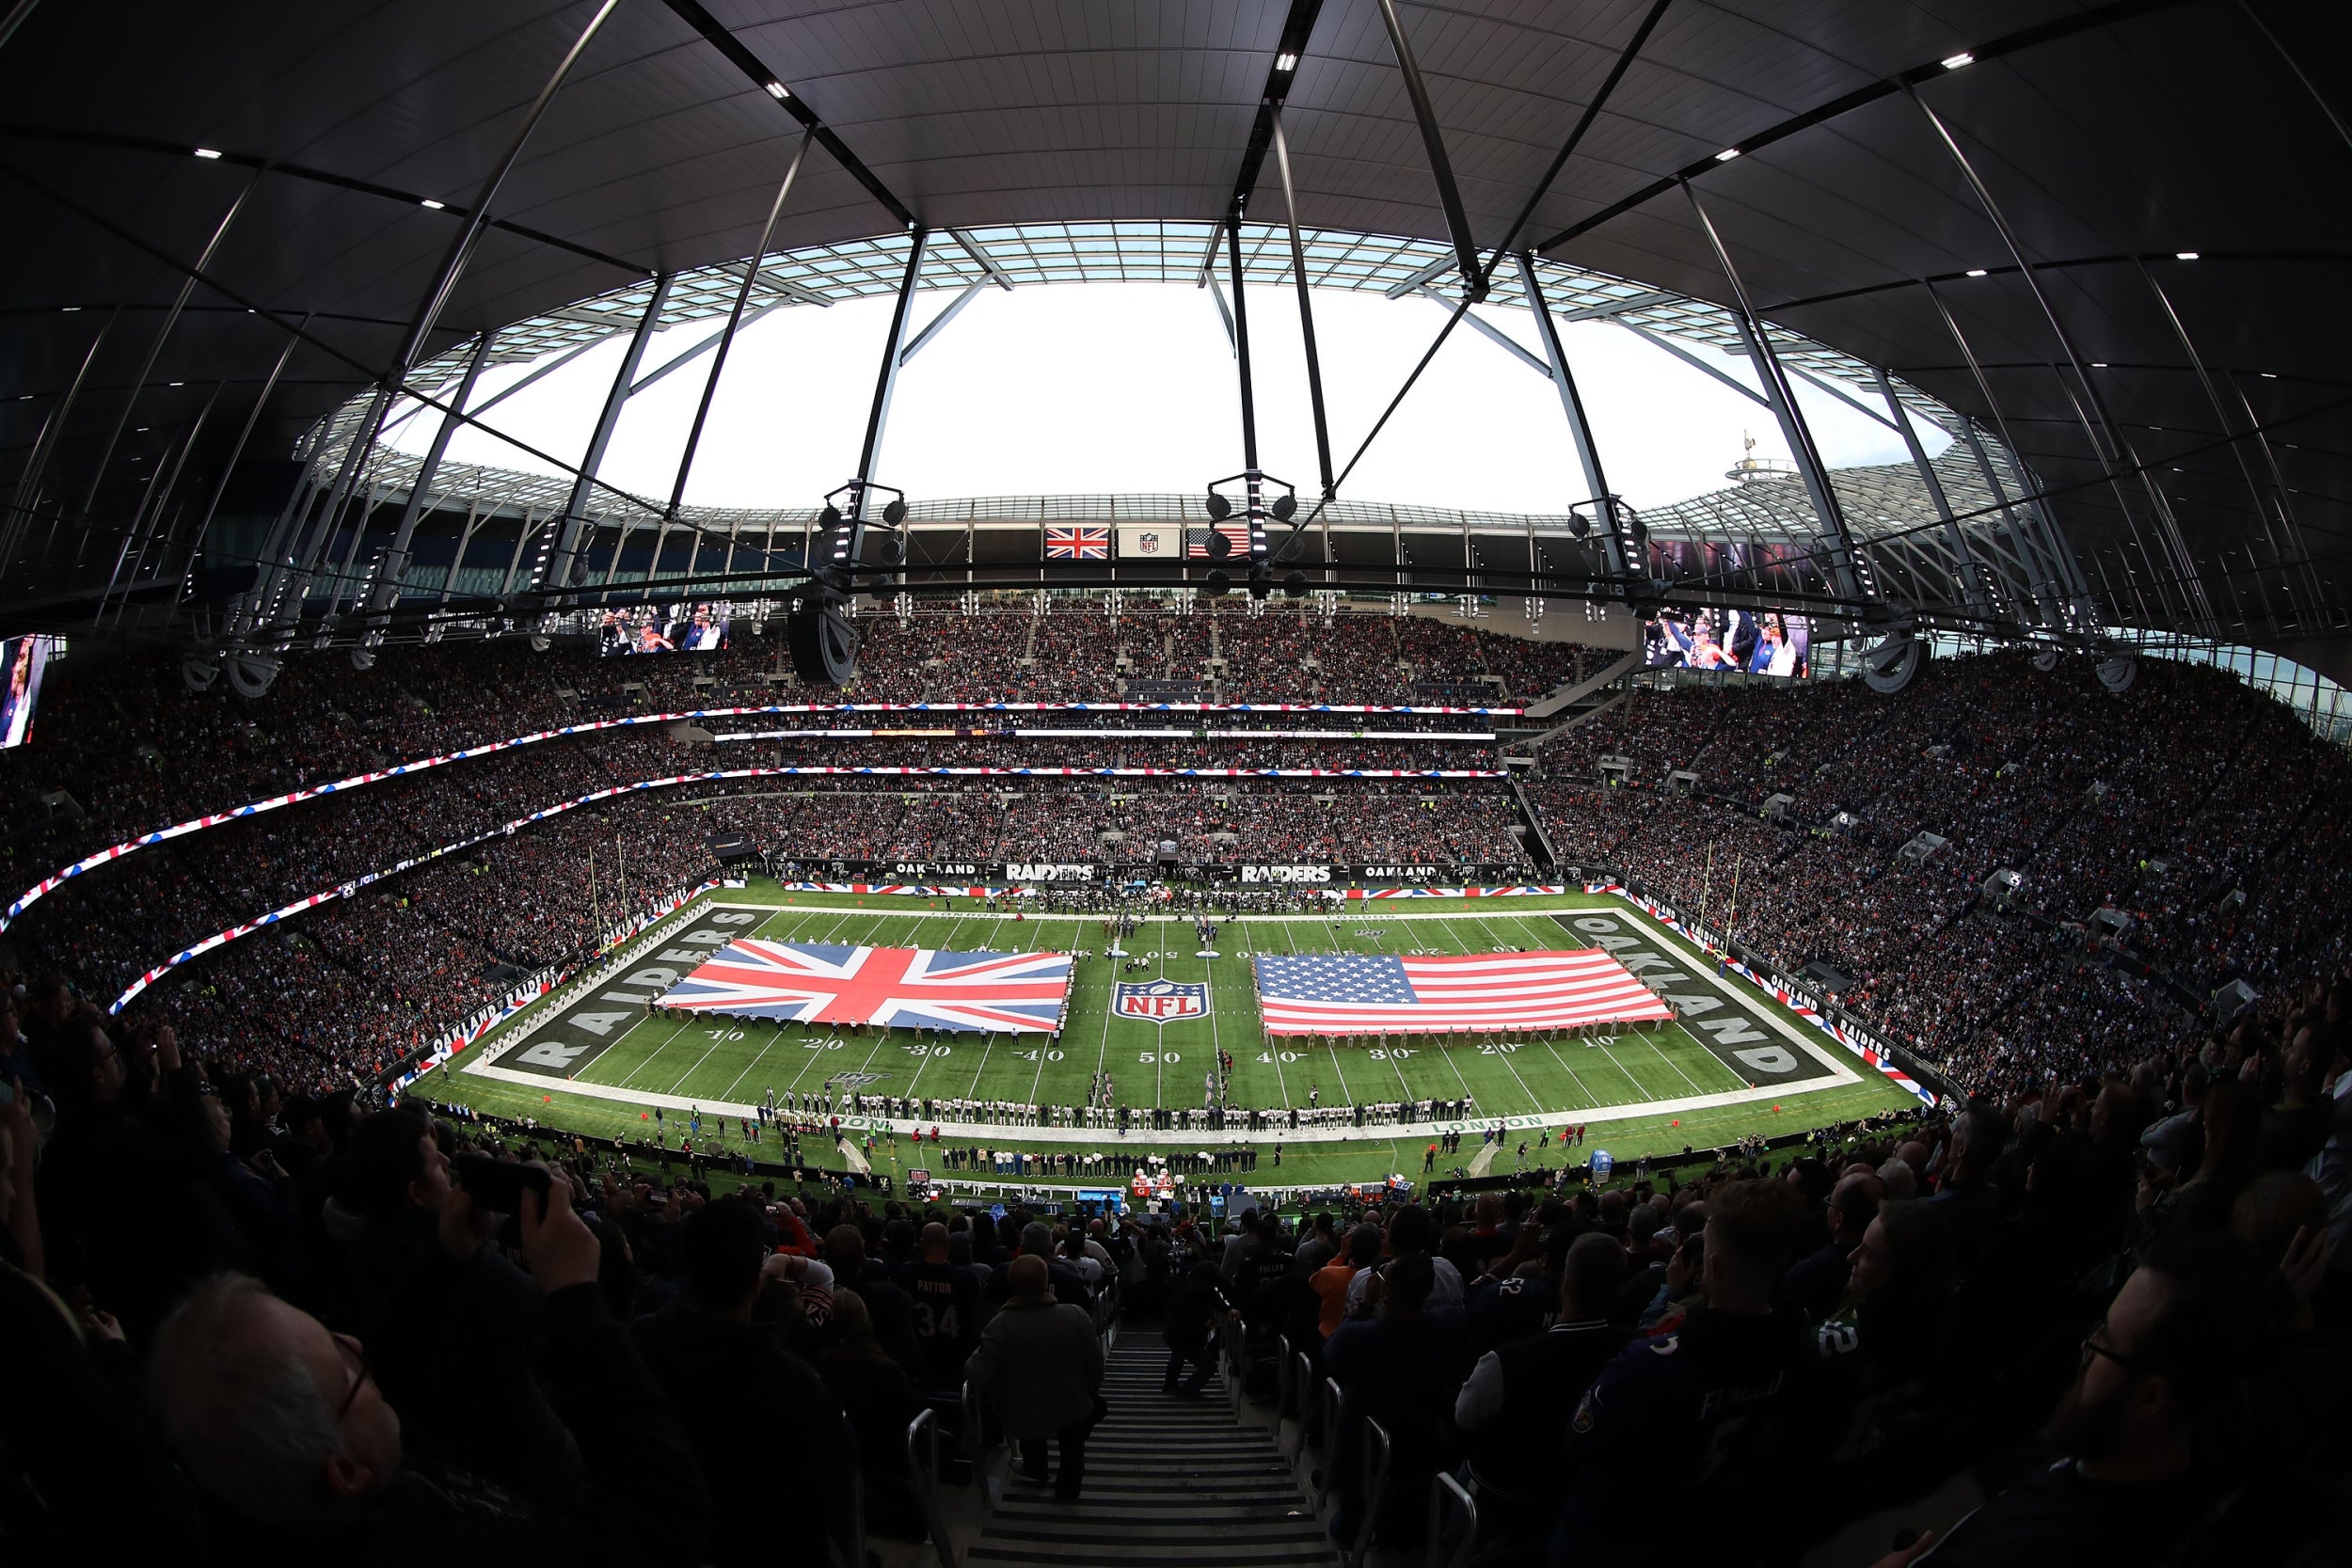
x: 1535, y: 1101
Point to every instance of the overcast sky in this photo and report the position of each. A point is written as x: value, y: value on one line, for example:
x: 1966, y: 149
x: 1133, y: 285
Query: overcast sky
x: 1112, y: 388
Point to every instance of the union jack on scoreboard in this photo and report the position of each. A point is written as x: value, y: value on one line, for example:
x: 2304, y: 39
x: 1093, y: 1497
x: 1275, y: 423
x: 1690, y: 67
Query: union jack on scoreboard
x: 1354, y: 993
x: 1197, y: 541
x: 904, y: 988
x: 1077, y: 544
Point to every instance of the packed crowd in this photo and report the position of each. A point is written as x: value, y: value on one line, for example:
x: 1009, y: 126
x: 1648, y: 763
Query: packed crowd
x: 2201, y: 815
x: 2099, y: 1320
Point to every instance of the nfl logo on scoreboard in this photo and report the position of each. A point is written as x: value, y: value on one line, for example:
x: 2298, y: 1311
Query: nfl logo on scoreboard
x: 1162, y: 1001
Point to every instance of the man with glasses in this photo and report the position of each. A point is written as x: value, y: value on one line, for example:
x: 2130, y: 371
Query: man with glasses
x: 2138, y: 1433
x: 280, y: 1420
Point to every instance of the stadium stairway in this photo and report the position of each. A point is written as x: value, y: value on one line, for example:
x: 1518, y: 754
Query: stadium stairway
x: 1169, y: 1483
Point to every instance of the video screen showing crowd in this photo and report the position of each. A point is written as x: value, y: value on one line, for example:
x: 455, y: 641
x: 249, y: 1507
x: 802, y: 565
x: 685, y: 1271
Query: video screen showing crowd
x: 1757, y: 643
x: 678, y: 628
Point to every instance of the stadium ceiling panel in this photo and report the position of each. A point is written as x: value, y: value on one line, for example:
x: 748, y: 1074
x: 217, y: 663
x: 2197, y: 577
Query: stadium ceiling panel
x: 2173, y: 172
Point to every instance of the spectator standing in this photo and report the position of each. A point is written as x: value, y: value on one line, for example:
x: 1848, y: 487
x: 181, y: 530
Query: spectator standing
x: 1041, y: 1362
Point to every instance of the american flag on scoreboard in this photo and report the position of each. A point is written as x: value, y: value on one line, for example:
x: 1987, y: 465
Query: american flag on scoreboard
x: 905, y: 987
x: 1077, y: 544
x: 1197, y: 541
x: 1351, y: 993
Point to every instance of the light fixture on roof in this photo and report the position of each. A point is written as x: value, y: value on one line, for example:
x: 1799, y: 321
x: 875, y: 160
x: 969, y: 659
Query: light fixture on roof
x: 2098, y: 364
x: 430, y: 205
x: 1953, y: 62
x: 207, y: 152
x: 1286, y: 62
x: 178, y: 383
x: 68, y: 310
x: 2269, y: 376
x: 1976, y: 272
x: 2185, y: 256
x: 1726, y: 154
x: 778, y: 91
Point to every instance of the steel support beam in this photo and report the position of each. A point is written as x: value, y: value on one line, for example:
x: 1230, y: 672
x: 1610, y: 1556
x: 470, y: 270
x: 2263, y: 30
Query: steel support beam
x: 147, y: 368
x: 437, y: 296
x: 2113, y: 449
x: 1224, y: 312
x: 393, y: 565
x: 567, y: 551
x: 1306, y: 307
x: 1615, y: 545
x: 1842, y: 566
x: 1440, y: 167
x: 45, y: 444
x: 236, y: 452
x: 1241, y: 352
x: 2237, y: 451
x: 939, y: 323
x: 1971, y: 584
x: 1488, y: 330
x: 2051, y: 586
x: 886, y: 383
x: 723, y: 345
x: 1659, y: 340
x: 989, y: 265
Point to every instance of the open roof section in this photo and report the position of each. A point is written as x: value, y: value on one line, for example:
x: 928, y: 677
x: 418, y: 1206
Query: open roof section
x: 2116, y: 138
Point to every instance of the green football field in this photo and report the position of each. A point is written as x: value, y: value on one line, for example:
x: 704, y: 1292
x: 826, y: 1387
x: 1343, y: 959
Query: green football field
x: 596, y: 1063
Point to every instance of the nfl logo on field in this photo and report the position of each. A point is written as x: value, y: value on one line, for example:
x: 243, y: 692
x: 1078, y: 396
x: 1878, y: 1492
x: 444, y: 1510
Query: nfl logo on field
x: 1162, y: 1001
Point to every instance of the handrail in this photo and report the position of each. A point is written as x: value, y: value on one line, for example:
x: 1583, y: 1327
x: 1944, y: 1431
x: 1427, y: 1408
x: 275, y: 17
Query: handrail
x: 1331, y: 1397
x: 1309, y: 1404
x: 1284, y: 1375
x: 923, y: 1471
x: 1378, y: 1448
x: 1440, y: 1485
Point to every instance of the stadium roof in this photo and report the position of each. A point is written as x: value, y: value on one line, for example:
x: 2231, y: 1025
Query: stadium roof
x: 2173, y: 172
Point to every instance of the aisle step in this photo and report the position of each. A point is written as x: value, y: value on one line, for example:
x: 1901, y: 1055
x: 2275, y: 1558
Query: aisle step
x: 1170, y: 1483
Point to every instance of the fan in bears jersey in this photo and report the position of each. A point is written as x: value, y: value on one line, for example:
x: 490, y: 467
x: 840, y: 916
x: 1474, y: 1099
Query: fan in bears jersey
x: 946, y: 1311
x: 1723, y: 1396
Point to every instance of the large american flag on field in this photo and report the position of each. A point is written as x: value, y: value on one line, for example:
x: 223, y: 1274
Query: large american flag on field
x: 904, y: 988
x: 1077, y: 544
x: 1237, y: 533
x: 1354, y: 993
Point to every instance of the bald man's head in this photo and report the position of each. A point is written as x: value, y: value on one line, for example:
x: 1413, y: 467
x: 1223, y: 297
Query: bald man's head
x: 934, y: 1243
x: 1027, y: 1276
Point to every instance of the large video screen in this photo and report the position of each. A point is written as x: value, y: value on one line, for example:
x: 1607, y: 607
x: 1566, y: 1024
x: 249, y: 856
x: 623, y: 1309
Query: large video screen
x: 1760, y: 643
x: 22, y: 658
x: 680, y: 628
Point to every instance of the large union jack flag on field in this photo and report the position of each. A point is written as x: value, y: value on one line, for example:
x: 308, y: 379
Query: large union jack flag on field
x: 904, y: 988
x: 1359, y: 993
x: 1077, y: 544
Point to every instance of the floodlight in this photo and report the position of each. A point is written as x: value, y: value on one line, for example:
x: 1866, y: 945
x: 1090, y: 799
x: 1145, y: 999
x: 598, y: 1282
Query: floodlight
x: 1953, y: 62
x: 2185, y: 256
x: 1216, y: 582
x: 207, y: 152
x: 778, y: 91
x: 430, y: 205
x: 1218, y: 507
x: 1295, y: 583
x: 1726, y: 154
x: 830, y: 517
x: 1261, y: 582
x: 1286, y: 62
x: 1285, y: 507
x: 1219, y: 546
x: 1580, y: 524
x: 896, y: 513
x: 1976, y: 272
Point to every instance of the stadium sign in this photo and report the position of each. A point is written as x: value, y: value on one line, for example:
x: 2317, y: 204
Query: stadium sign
x: 1286, y: 872
x: 924, y: 870
x: 1161, y: 1002
x: 1042, y: 871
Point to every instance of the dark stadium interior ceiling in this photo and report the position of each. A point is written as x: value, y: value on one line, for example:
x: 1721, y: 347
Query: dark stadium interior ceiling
x: 2114, y: 139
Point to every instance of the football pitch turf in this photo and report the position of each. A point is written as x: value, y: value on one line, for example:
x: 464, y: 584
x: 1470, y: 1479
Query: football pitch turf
x: 601, y: 1066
